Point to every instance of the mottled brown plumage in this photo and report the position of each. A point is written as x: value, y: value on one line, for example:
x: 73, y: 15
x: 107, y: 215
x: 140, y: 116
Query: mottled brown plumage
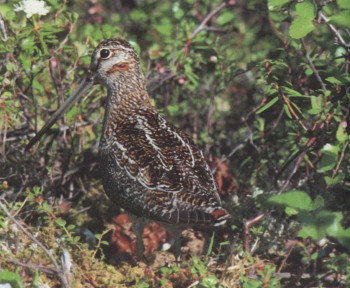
x: 149, y: 167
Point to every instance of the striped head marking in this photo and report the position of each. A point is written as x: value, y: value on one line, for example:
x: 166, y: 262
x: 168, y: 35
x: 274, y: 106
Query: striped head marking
x: 113, y: 60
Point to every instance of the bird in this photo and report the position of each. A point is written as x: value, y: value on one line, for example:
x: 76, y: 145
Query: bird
x: 150, y: 168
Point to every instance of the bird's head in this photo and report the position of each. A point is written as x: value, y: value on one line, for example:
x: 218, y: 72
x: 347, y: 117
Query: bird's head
x: 113, y: 61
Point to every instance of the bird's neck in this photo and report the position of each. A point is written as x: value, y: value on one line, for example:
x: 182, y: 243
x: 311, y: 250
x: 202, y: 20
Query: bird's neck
x: 125, y: 98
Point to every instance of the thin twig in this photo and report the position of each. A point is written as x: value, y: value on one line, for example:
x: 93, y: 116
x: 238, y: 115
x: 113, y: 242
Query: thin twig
x: 224, y: 157
x: 247, y: 226
x: 3, y: 29
x: 207, y: 18
x: 342, y: 154
x: 33, y: 266
x: 312, y: 66
x: 291, y: 109
x: 284, y: 261
x: 317, y: 129
x: 4, y: 134
x: 285, y: 99
x: 290, y: 176
x: 160, y: 82
x: 30, y: 236
x: 201, y: 26
x: 335, y: 31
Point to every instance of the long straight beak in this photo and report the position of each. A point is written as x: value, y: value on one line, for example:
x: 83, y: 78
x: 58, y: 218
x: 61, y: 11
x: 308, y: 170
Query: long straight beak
x: 82, y: 88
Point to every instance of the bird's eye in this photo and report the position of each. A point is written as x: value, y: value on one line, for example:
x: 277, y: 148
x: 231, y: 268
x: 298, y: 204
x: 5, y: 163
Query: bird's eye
x: 105, y: 53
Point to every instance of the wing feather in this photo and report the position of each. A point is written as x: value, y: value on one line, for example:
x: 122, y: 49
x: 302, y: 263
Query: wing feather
x: 160, y: 156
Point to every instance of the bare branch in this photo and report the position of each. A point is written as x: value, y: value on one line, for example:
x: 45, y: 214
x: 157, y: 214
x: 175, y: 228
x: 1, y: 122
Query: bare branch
x: 290, y: 176
x: 33, y: 266
x: 247, y: 226
x: 224, y: 157
x: 201, y: 26
x: 312, y: 66
x: 207, y: 18
x: 337, y: 34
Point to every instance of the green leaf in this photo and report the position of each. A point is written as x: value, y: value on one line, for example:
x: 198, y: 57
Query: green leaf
x: 316, y: 104
x: 138, y: 16
x: 11, y: 67
x: 136, y: 46
x: 291, y: 211
x: 286, y: 109
x: 225, y: 17
x: 302, y: 24
x: 72, y: 113
x: 300, y: 28
x: 76, y: 239
x: 290, y: 92
x: 46, y: 207
x: 306, y: 10
x: 36, y: 279
x: 210, y: 281
x: 108, y: 30
x: 343, y: 236
x: 314, y: 256
x: 60, y: 222
x: 331, y: 181
x: 309, y: 71
x: 344, y: 4
x: 210, y: 248
x: 190, y: 75
x: 12, y: 278
x: 297, y: 108
x: 330, y: 149
x: 81, y: 49
x: 164, y: 27
x: 331, y: 223
x: 333, y: 80
x: 4, y: 8
x: 341, y: 134
x: 267, y: 105
x: 341, y: 19
x: 273, y: 4
x: 251, y: 283
x: 173, y: 109
x: 311, y: 231
x: 178, y: 12
x: 340, y: 52
x: 299, y: 200
x: 329, y: 157
x: 70, y: 227
x: 318, y: 225
x: 7, y: 11
x: 317, y: 203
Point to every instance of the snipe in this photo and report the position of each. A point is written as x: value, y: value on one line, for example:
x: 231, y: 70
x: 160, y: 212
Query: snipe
x: 149, y: 167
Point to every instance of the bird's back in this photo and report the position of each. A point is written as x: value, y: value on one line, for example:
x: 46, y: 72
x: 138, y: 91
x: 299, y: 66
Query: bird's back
x: 154, y: 170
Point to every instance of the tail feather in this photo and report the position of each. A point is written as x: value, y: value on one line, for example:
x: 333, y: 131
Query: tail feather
x: 220, y: 216
x: 217, y: 216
